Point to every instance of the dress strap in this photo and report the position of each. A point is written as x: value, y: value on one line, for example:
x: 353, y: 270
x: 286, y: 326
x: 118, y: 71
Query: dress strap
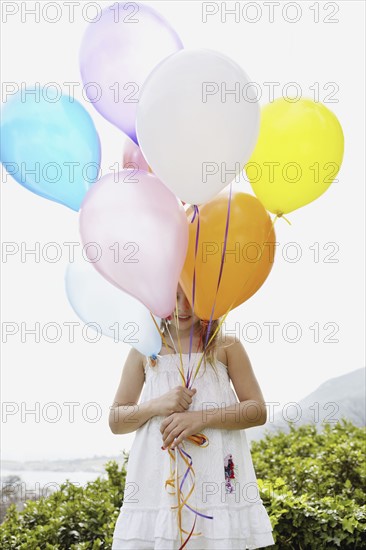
x: 151, y: 361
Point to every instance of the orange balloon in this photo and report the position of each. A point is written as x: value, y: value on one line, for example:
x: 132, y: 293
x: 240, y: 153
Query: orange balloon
x: 249, y: 256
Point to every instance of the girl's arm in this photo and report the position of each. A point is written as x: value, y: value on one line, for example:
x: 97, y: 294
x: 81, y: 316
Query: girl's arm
x: 251, y: 409
x: 126, y: 415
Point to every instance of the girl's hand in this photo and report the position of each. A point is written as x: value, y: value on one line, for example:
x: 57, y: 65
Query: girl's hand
x: 177, y: 399
x: 180, y: 426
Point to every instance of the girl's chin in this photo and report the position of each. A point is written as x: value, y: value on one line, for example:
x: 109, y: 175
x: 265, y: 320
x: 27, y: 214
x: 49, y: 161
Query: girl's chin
x: 183, y: 321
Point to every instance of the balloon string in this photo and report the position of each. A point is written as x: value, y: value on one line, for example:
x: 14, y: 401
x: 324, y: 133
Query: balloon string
x: 171, y: 339
x: 160, y: 332
x: 210, y: 340
x: 176, y: 315
x: 197, y: 439
x: 280, y: 215
x: 196, y: 213
x: 233, y: 302
x: 221, y: 265
x: 181, y: 371
x: 208, y: 326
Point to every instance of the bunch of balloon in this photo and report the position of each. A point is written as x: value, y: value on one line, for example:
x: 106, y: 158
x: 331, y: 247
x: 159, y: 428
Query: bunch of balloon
x: 196, y: 137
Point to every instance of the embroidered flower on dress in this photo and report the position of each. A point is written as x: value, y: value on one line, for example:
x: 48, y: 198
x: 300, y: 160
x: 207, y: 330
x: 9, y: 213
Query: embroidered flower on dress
x: 229, y: 472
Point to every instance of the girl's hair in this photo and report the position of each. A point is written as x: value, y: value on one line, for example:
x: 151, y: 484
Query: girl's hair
x: 211, y: 349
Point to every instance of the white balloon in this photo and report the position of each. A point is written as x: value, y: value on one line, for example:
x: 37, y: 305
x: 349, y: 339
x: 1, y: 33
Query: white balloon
x: 116, y: 313
x: 197, y: 122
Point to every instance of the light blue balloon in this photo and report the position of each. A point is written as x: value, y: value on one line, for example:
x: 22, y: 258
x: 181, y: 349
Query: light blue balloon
x: 49, y: 145
x: 109, y: 310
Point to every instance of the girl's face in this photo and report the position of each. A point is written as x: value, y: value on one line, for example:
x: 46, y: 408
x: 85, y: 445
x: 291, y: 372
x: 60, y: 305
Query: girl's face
x: 186, y: 317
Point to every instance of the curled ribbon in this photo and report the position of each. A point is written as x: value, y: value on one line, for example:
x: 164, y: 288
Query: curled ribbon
x: 202, y: 441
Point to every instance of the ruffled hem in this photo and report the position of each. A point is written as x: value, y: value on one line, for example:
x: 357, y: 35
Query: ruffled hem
x: 203, y: 543
x: 241, y: 528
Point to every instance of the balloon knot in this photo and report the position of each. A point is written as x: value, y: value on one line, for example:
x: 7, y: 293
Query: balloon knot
x: 280, y: 215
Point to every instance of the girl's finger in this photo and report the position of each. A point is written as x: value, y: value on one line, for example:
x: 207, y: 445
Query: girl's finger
x: 170, y: 439
x: 165, y: 424
x: 179, y: 439
x: 175, y: 443
x: 187, y: 400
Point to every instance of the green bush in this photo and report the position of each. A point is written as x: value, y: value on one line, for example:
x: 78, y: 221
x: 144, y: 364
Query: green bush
x: 72, y: 518
x: 312, y: 485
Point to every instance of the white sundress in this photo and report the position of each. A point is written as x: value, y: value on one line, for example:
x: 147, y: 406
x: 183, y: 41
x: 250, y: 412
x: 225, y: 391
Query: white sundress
x: 146, y: 520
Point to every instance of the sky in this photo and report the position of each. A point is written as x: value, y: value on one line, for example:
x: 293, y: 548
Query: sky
x: 56, y: 396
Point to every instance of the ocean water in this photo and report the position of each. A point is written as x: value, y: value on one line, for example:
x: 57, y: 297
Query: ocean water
x: 45, y: 481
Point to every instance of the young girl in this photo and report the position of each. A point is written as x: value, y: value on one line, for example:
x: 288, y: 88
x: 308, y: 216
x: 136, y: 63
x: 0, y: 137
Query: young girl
x: 223, y: 497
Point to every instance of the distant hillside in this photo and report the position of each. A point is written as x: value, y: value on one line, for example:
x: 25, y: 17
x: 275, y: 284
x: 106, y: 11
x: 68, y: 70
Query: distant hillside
x: 94, y: 464
x: 343, y: 396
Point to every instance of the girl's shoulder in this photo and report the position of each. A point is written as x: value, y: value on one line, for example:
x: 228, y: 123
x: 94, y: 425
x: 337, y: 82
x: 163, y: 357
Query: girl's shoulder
x: 225, y: 346
x: 221, y: 355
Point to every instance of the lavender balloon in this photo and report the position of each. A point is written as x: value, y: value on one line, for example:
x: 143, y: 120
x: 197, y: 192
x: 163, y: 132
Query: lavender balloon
x: 118, y: 51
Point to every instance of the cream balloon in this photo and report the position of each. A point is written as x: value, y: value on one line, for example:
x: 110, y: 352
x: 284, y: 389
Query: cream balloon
x: 197, y: 122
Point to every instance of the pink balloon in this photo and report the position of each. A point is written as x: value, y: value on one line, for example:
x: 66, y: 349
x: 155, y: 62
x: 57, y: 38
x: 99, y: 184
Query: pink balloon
x: 133, y: 157
x: 135, y: 231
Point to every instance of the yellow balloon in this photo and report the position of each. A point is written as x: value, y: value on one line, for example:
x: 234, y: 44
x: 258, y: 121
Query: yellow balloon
x: 297, y: 156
